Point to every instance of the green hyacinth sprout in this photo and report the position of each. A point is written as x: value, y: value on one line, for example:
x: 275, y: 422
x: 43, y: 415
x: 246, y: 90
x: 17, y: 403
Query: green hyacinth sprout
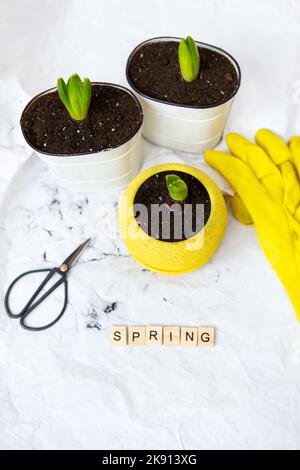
x: 75, y: 95
x: 177, y: 188
x: 189, y: 59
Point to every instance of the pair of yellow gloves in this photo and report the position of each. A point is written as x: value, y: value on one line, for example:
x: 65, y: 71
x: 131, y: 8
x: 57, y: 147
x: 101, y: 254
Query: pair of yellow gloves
x: 265, y: 177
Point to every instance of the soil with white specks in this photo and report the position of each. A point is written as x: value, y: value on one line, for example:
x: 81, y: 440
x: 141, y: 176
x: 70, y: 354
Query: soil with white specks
x: 154, y: 71
x: 114, y: 117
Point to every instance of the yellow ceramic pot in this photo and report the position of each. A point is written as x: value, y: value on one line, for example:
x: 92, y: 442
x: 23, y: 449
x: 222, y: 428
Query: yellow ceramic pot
x: 172, y: 257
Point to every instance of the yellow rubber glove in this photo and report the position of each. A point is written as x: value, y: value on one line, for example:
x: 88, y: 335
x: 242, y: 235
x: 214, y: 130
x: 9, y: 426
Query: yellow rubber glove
x: 265, y: 177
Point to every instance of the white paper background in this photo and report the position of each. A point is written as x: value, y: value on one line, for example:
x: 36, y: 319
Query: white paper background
x: 67, y: 387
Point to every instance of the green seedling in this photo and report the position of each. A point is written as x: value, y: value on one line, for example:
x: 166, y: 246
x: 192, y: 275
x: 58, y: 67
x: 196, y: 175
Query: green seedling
x: 177, y: 188
x: 75, y: 95
x: 189, y: 59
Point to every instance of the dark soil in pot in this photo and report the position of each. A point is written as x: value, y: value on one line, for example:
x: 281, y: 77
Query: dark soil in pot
x: 114, y: 117
x: 154, y: 71
x: 154, y: 192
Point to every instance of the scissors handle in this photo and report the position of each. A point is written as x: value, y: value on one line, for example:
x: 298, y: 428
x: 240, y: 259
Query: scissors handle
x: 32, y: 303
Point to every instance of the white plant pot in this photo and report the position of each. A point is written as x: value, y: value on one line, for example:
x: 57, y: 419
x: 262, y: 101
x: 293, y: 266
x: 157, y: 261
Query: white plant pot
x: 182, y: 127
x: 96, y: 171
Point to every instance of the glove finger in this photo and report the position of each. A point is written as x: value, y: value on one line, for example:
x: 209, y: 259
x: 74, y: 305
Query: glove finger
x: 242, y: 179
x: 274, y: 184
x: 273, y: 145
x: 291, y: 187
x: 238, y: 145
x: 259, y: 162
x: 239, y: 210
x: 266, y: 171
x: 294, y: 146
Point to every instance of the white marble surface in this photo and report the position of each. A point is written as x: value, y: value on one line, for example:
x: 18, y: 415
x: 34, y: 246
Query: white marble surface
x: 67, y: 387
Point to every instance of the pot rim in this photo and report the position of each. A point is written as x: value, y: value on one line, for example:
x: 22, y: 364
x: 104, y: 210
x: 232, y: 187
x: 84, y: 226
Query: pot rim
x: 158, y: 169
x: 201, y: 44
x: 94, y: 152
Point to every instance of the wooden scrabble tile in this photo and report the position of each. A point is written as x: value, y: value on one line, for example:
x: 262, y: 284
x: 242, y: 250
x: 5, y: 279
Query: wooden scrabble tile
x: 118, y: 334
x: 171, y: 335
x: 189, y: 336
x: 206, y: 337
x: 136, y: 335
x: 154, y: 335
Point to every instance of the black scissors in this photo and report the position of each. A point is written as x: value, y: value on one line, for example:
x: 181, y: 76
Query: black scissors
x: 32, y: 302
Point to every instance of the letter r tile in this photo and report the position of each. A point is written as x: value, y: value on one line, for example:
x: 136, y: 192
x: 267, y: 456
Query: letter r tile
x: 154, y: 335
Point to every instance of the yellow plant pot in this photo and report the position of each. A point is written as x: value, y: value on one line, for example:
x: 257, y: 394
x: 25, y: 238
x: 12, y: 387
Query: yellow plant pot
x: 172, y: 257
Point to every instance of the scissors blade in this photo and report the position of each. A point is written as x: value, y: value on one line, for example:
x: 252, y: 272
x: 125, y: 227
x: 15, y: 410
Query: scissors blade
x: 72, y: 258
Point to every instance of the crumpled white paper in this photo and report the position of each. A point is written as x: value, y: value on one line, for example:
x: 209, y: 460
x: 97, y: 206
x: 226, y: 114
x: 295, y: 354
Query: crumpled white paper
x: 13, y: 151
x: 67, y: 387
